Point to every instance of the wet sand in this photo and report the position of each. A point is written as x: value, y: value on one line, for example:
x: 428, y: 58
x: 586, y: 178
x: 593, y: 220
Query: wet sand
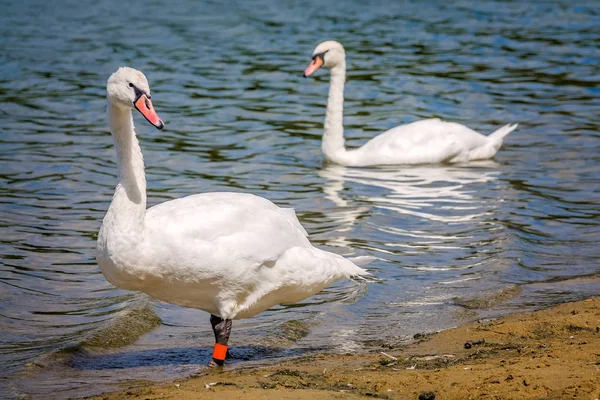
x: 548, y: 354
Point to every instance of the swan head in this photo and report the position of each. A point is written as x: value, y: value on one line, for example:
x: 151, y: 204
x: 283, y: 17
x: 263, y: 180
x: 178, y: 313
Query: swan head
x: 327, y: 54
x: 127, y: 89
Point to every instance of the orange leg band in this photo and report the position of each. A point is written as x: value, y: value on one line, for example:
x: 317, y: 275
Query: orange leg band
x: 220, y: 352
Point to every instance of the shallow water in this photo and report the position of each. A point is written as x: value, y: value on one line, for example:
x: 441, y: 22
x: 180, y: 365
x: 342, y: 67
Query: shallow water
x: 453, y: 243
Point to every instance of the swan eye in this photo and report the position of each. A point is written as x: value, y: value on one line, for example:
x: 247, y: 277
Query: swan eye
x: 130, y: 84
x: 320, y: 55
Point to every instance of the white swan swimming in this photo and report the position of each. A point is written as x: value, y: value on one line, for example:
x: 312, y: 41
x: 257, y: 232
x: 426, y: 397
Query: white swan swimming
x: 233, y: 255
x: 420, y: 142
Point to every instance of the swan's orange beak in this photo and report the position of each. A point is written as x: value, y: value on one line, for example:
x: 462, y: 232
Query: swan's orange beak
x: 314, y: 65
x: 144, y: 106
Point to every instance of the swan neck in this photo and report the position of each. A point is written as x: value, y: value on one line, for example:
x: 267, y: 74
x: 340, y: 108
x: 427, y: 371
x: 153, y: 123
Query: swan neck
x: 130, y: 195
x: 333, y: 136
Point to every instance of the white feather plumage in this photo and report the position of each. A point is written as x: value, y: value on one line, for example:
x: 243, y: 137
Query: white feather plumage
x: 230, y: 254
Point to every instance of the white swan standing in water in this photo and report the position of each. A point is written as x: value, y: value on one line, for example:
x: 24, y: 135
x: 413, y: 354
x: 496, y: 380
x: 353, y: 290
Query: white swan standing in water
x: 426, y: 141
x: 232, y: 255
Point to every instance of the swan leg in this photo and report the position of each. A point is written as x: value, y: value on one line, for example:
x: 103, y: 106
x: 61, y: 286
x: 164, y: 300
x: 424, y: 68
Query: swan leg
x: 222, y: 330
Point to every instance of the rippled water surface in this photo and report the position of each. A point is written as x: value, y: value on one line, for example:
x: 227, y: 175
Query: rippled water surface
x: 452, y: 243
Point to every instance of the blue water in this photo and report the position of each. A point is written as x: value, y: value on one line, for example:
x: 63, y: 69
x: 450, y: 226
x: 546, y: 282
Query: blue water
x: 520, y: 232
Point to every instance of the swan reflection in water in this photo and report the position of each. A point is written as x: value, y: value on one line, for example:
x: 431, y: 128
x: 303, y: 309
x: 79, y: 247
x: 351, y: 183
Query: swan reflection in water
x: 436, y: 212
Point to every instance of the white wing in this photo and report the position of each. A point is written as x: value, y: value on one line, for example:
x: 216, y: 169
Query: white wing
x: 426, y: 141
x: 245, y: 228
x: 233, y: 255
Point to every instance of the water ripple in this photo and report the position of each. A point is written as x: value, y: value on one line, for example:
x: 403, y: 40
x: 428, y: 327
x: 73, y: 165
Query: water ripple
x: 226, y: 78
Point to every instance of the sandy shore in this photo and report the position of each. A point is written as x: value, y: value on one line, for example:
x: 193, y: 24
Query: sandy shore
x: 548, y: 354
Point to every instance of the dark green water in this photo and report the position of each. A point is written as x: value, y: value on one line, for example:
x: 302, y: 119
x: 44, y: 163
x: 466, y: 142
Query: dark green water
x: 517, y: 233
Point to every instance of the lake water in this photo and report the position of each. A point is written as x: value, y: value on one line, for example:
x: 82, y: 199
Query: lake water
x: 452, y: 243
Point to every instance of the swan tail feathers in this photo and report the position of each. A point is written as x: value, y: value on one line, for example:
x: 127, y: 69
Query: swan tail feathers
x: 362, y: 260
x: 499, y: 134
x: 349, y: 267
x: 316, y: 265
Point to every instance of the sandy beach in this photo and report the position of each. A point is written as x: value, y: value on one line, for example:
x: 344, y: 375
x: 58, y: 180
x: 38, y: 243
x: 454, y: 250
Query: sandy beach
x: 547, y: 354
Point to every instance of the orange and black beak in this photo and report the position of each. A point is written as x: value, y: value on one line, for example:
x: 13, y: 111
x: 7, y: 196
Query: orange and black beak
x: 143, y: 104
x: 315, y: 64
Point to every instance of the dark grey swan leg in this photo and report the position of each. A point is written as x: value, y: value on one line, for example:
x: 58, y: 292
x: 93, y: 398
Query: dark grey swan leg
x: 222, y: 330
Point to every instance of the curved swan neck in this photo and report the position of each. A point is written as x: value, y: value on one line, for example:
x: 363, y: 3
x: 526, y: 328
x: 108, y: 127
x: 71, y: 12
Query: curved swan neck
x: 130, y: 195
x: 333, y: 137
